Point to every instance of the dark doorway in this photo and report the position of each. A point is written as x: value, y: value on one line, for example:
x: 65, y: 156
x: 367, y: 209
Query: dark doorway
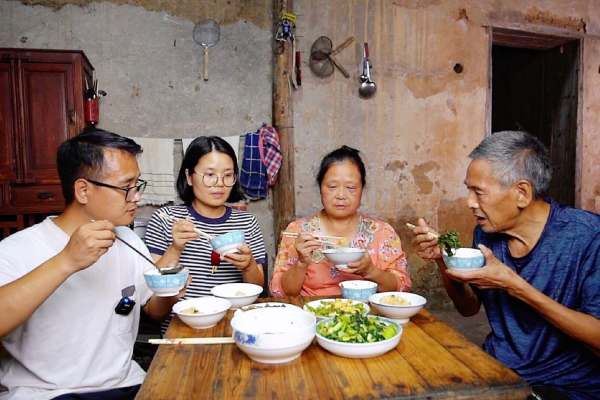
x: 535, y: 88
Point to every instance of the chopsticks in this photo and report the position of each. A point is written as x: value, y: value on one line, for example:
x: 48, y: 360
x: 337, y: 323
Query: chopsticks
x: 169, y: 218
x: 319, y: 236
x: 199, y: 340
x: 432, y: 234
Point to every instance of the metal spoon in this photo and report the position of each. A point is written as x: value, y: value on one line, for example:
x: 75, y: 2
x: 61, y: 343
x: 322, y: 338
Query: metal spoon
x: 367, y: 87
x: 162, y: 271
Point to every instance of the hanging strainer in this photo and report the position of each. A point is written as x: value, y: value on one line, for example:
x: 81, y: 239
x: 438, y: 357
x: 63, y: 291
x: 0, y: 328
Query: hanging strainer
x: 319, y: 62
x: 206, y: 34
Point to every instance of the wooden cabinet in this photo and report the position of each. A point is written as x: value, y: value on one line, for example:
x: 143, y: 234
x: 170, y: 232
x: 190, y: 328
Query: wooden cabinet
x: 41, y: 105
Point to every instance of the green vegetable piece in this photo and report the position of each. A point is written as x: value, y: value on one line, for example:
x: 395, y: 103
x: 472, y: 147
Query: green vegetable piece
x: 449, y: 241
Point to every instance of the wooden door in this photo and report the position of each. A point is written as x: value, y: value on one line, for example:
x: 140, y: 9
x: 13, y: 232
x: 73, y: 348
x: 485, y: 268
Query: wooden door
x: 8, y: 170
x: 49, y: 117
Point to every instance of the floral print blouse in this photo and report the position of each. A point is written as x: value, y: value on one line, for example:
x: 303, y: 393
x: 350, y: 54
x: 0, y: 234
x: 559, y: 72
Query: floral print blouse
x: 322, y: 278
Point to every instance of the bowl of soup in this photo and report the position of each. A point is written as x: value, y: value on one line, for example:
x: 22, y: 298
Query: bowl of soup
x: 202, y: 312
x: 399, y: 306
x: 239, y: 294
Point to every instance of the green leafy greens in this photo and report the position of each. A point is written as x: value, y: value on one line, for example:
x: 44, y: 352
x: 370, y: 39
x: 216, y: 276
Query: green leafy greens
x: 356, y: 328
x: 449, y: 241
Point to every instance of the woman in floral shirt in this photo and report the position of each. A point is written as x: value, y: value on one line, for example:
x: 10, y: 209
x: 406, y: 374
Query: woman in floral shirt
x: 302, y: 269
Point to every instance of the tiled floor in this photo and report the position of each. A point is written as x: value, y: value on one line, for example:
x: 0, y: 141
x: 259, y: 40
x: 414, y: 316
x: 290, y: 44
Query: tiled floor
x: 475, y: 328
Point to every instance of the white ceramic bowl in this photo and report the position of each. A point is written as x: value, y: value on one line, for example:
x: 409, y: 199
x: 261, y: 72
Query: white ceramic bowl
x: 210, y: 311
x: 239, y: 294
x: 341, y: 256
x: 464, y: 259
x: 399, y: 313
x: 166, y: 285
x: 273, y: 335
x: 270, y: 304
x: 319, y: 303
x: 358, y: 289
x: 360, y: 350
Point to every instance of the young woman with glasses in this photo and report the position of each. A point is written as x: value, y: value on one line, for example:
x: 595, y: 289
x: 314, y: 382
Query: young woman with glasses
x: 207, y: 180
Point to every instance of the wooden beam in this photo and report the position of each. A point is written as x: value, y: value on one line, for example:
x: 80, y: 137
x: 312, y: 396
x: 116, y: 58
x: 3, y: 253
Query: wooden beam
x: 284, y: 202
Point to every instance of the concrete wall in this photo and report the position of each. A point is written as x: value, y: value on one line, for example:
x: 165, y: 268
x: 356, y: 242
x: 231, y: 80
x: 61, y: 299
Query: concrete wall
x: 414, y: 134
x: 147, y: 61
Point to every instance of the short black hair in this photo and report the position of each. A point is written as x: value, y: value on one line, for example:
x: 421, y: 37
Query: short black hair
x: 200, y: 147
x: 82, y: 156
x: 342, y: 154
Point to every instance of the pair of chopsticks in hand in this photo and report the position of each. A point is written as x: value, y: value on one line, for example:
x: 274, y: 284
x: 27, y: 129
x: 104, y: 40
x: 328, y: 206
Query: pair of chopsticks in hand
x: 169, y: 218
x: 325, y: 239
x: 431, y: 234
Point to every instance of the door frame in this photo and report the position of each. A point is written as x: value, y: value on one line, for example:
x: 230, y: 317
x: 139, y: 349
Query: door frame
x: 522, y: 37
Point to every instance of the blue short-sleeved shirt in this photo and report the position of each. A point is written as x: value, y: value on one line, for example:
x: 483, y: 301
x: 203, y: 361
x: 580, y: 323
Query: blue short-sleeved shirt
x: 564, y: 265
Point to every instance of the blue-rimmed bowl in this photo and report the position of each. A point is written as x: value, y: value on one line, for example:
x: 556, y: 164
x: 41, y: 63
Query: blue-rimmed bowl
x: 228, y: 242
x: 464, y: 259
x: 358, y: 289
x: 273, y: 335
x: 166, y: 285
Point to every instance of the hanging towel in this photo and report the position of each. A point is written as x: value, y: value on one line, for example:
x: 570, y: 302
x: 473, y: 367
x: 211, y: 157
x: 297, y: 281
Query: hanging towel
x: 270, y: 152
x: 156, y: 166
x: 234, y: 141
x: 253, y: 174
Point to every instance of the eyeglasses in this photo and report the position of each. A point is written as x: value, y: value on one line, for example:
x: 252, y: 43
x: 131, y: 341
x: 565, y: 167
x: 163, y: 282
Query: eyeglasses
x: 212, y: 180
x: 130, y: 192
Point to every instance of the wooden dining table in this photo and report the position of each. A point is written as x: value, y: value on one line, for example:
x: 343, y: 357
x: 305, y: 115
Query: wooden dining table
x: 432, y: 361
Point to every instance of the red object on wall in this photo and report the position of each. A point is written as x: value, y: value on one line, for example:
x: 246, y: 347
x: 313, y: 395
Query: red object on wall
x: 91, y: 111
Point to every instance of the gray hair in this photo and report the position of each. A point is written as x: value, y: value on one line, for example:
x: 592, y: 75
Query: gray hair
x: 516, y: 155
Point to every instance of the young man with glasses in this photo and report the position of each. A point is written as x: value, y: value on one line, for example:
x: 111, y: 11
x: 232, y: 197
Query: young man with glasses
x: 70, y: 295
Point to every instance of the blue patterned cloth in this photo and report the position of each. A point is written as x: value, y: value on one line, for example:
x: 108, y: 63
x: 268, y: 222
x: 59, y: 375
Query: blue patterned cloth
x: 253, y: 174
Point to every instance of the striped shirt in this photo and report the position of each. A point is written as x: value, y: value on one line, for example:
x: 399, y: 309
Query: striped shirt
x: 196, y: 254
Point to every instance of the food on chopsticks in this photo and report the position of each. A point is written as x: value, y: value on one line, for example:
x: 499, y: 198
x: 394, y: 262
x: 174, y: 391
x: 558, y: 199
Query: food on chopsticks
x: 191, y: 311
x: 337, y: 307
x: 394, y: 300
x: 449, y: 241
x: 356, y: 328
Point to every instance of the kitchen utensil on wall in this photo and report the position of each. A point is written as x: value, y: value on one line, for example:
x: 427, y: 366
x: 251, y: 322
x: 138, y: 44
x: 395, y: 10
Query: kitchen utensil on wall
x: 207, y: 34
x: 322, y: 60
x: 367, y: 87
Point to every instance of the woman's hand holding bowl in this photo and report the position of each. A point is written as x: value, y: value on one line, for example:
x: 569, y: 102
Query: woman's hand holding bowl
x: 305, y: 244
x: 242, y: 259
x: 183, y: 232
x: 363, y: 267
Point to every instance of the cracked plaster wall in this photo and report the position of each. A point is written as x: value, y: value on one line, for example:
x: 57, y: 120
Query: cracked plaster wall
x: 416, y: 132
x: 145, y: 58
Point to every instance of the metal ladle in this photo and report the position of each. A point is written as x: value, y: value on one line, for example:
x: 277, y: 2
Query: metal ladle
x: 163, y: 271
x: 367, y: 87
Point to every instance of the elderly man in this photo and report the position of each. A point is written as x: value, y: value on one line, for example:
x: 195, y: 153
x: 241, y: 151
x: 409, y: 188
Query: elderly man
x: 541, y: 283
x: 66, y: 285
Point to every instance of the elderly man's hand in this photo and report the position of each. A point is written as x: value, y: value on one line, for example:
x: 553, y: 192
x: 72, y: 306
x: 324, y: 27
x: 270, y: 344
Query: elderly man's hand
x: 425, y: 242
x: 493, y: 275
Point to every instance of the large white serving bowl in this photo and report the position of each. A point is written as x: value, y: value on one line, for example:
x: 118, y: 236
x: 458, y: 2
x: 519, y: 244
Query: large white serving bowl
x: 360, y: 350
x: 273, y: 335
x: 319, y: 303
x: 341, y: 256
x: 239, y: 294
x: 399, y: 313
x: 270, y: 304
x: 211, y: 311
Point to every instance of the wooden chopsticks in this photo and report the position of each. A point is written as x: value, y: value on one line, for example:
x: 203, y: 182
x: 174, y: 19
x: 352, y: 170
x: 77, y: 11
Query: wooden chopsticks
x: 170, y: 218
x: 432, y: 234
x: 198, y: 340
x: 319, y: 236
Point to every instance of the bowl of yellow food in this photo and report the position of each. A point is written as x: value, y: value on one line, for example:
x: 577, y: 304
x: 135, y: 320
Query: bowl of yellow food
x: 202, y: 312
x: 328, y: 308
x: 398, y: 306
x: 239, y: 294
